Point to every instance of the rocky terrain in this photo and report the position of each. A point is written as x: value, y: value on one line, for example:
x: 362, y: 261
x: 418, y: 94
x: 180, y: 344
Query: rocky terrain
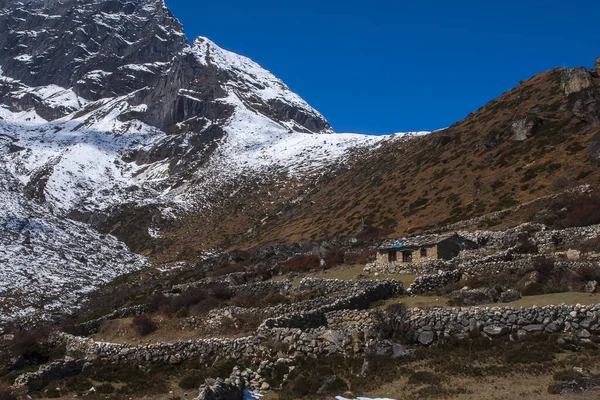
x: 110, y: 118
x: 170, y: 209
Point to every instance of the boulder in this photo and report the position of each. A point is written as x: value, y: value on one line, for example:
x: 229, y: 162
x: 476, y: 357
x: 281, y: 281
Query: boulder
x: 509, y: 296
x: 222, y: 390
x: 591, y: 287
x: 473, y: 297
x: 426, y: 338
x: 573, y: 80
x: 597, y: 65
x: 525, y: 127
x: 496, y: 330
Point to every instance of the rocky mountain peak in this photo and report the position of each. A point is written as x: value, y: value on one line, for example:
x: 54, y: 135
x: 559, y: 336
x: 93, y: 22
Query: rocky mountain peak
x: 89, y: 44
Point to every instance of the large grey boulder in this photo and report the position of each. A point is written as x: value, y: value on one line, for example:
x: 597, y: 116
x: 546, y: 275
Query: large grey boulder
x: 227, y: 389
x: 525, y: 127
x: 426, y: 337
x: 473, y: 297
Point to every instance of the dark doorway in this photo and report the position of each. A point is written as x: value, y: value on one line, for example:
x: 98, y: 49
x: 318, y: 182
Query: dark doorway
x: 407, y: 256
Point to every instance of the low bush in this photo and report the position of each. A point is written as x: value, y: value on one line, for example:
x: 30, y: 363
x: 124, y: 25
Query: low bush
x: 575, y: 209
x: 143, y: 325
x: 192, y: 380
x: 302, y: 263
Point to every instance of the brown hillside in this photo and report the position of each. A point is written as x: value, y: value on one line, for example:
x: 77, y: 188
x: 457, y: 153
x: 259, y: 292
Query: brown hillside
x: 538, y: 138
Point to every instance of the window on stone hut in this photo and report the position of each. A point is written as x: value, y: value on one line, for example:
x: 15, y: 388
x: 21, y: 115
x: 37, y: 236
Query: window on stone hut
x: 392, y: 256
x: 423, y: 252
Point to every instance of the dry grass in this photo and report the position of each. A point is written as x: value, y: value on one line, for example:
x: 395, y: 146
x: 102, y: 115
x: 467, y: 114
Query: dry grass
x: 168, y: 330
x: 571, y: 298
x: 489, y: 388
x: 350, y: 272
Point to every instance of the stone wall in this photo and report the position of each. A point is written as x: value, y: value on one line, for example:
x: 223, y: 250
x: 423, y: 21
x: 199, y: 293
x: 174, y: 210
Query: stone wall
x: 429, y: 283
x: 92, y: 326
x: 344, y: 332
x: 369, y: 292
x: 577, y: 323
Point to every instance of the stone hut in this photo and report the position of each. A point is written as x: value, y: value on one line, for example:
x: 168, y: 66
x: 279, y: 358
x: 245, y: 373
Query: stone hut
x: 423, y: 248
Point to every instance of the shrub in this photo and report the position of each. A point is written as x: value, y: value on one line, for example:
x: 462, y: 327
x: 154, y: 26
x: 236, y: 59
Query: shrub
x: 524, y: 245
x: 361, y: 257
x: 576, y: 209
x: 302, y: 263
x: 156, y: 301
x: 221, y: 292
x: 192, y: 380
x: 143, y: 325
x: 587, y: 273
x: 544, y: 265
x: 334, y: 257
x: 189, y: 297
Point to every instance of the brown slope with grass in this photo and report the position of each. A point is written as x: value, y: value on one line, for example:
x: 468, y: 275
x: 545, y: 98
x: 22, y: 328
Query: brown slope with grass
x: 537, y: 139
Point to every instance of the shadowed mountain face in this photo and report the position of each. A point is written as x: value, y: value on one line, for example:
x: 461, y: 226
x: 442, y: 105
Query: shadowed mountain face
x: 87, y: 44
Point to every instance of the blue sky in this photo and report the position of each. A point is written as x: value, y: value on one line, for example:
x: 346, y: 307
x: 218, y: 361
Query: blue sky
x: 383, y: 66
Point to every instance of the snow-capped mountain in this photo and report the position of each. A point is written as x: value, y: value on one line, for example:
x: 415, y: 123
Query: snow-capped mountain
x: 103, y: 103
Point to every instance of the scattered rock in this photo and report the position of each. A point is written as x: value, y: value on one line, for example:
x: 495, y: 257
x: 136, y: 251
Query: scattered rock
x: 591, y: 287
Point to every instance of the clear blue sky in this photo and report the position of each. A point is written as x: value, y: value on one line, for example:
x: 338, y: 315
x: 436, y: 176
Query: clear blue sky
x: 378, y: 66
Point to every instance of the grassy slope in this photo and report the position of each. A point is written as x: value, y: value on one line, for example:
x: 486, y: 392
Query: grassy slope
x: 444, y: 177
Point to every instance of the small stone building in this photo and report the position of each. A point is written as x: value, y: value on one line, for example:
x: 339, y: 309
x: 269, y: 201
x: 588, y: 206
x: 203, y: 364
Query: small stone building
x: 423, y: 248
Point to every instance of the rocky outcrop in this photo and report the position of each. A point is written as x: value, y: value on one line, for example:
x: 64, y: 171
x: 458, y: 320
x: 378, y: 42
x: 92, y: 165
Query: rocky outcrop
x: 525, y: 127
x: 573, y: 80
x: 597, y: 65
x: 205, y: 83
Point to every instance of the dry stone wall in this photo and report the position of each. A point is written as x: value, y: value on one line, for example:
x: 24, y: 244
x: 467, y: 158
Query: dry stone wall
x: 575, y: 323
